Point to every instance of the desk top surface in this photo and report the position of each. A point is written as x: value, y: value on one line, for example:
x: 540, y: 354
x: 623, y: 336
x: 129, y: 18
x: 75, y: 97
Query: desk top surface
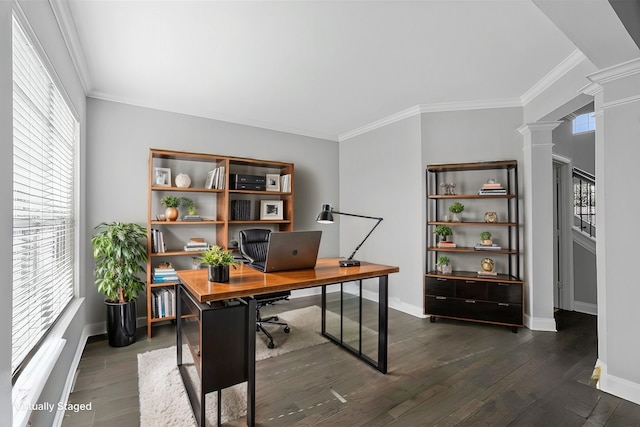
x: 246, y: 281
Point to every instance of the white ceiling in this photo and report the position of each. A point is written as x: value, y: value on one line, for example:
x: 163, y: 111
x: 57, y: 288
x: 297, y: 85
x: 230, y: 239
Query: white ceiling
x: 324, y: 69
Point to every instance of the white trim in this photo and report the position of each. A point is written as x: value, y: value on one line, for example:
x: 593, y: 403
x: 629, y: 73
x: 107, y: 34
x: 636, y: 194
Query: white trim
x: 617, y: 386
x: 586, y: 308
x: 621, y: 102
x: 574, y: 59
x: 431, y: 108
x: 616, y: 72
x: 540, y: 324
x: 70, y: 36
x: 589, y: 243
x: 218, y: 117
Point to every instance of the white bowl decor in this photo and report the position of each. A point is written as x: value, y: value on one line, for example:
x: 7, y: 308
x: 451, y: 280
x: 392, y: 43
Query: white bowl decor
x: 183, y: 180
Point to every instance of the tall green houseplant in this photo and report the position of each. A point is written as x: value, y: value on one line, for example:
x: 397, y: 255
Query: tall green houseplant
x: 120, y: 252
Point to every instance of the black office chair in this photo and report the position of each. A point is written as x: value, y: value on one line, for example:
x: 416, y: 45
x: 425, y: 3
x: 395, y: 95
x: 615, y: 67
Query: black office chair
x: 253, y: 245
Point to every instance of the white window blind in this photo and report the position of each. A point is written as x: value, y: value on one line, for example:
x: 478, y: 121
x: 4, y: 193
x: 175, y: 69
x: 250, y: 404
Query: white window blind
x: 44, y: 144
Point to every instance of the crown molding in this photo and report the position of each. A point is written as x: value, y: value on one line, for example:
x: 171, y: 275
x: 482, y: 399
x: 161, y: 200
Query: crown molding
x: 70, y: 35
x: 616, y: 72
x: 569, y: 63
x: 431, y: 108
x: 219, y: 117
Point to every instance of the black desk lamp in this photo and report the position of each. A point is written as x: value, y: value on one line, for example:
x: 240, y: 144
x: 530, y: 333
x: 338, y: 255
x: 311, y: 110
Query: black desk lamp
x: 326, y: 217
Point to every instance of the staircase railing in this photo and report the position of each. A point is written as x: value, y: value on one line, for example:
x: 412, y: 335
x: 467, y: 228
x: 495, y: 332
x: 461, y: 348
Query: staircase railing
x: 584, y: 201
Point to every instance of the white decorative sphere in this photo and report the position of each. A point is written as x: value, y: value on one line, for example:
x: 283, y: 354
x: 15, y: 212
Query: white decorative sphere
x: 183, y: 180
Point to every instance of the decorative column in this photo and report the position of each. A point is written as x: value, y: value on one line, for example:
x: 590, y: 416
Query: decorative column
x: 616, y: 91
x: 538, y: 224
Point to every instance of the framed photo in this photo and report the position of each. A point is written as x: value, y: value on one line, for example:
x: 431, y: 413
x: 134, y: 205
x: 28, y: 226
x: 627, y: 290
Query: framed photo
x: 273, y: 182
x: 209, y: 182
x: 271, y: 209
x: 162, y: 177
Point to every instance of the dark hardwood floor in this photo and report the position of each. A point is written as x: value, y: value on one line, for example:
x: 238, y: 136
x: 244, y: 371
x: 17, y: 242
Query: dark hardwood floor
x: 441, y: 374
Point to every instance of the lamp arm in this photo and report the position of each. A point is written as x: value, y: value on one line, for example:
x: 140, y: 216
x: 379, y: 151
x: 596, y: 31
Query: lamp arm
x: 365, y: 237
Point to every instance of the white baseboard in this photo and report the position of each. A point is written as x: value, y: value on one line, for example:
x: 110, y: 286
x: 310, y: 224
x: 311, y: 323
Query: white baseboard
x: 585, y: 307
x: 540, y: 323
x: 617, y: 386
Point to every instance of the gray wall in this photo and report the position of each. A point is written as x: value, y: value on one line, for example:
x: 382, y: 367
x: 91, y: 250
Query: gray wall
x: 120, y: 135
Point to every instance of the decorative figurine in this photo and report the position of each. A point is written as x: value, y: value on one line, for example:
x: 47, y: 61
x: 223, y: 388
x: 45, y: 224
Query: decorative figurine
x: 448, y: 188
x: 487, y: 265
x: 490, y: 217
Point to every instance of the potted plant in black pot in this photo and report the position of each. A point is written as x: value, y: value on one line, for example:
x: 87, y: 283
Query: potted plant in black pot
x: 120, y: 253
x: 218, y: 261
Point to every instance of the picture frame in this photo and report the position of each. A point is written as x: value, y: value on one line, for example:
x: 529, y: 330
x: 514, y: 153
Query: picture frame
x: 162, y: 177
x: 272, y: 182
x: 271, y: 210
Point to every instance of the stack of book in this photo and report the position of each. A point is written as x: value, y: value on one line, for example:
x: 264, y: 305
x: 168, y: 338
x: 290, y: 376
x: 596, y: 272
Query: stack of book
x: 163, y: 302
x: 487, y: 273
x: 285, y: 183
x: 447, y: 244
x: 157, y: 241
x: 493, y: 247
x: 196, y: 244
x: 241, y: 210
x: 164, y: 275
x: 192, y: 218
x: 490, y: 188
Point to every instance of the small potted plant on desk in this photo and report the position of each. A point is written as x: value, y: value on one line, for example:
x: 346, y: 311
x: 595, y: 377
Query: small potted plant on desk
x: 218, y: 261
x: 444, y: 265
x: 485, y: 238
x: 120, y: 252
x: 456, y: 209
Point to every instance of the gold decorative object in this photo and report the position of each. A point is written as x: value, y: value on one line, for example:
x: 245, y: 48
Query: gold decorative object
x: 487, y: 265
x: 490, y: 217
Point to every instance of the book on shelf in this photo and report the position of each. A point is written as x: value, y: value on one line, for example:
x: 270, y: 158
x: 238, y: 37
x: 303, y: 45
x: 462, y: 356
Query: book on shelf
x: 492, y: 191
x: 493, y: 247
x: 482, y: 273
x: 241, y: 210
x: 215, y: 179
x: 192, y: 218
x: 447, y: 245
x: 196, y: 248
x: 285, y: 183
x: 163, y: 302
x: 157, y: 241
x: 491, y: 185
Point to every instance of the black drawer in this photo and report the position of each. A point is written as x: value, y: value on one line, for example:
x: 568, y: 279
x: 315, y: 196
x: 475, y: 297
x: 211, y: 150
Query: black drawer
x: 440, y: 286
x: 472, y: 289
x: 439, y: 305
x: 472, y: 309
x: 502, y: 312
x: 505, y: 292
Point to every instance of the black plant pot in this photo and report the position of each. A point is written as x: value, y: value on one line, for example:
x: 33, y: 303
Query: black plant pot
x: 219, y: 273
x: 121, y: 323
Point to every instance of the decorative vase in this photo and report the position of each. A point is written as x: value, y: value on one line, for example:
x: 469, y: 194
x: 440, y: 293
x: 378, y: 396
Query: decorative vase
x: 183, y: 180
x: 171, y: 214
x: 486, y: 242
x: 455, y: 217
x: 446, y: 269
x: 121, y: 323
x: 219, y: 273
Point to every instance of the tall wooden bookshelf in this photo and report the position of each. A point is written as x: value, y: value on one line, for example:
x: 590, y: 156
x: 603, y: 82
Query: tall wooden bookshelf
x: 218, y: 223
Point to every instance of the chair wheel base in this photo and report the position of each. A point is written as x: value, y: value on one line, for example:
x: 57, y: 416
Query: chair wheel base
x: 270, y: 345
x: 287, y: 330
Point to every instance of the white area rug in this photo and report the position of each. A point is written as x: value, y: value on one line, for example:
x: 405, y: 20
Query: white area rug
x: 164, y: 400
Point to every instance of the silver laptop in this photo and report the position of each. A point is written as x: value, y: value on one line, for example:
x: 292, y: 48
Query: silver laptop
x: 291, y: 250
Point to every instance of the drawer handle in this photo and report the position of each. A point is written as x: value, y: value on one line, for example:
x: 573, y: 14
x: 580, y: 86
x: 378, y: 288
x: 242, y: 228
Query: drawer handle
x: 469, y: 281
x: 503, y: 284
x: 441, y: 279
x: 504, y: 304
x: 441, y: 297
x: 470, y: 301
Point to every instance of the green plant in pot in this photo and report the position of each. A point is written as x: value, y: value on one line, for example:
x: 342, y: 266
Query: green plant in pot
x: 442, y: 231
x: 218, y: 261
x: 485, y: 238
x: 120, y: 254
x: 189, y: 205
x: 456, y: 209
x: 444, y: 265
x: 171, y: 203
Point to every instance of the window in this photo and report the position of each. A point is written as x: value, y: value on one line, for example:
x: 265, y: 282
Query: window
x: 584, y: 123
x: 44, y: 145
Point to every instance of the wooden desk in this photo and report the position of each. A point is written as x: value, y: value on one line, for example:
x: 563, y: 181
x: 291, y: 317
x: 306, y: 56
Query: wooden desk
x: 245, y: 282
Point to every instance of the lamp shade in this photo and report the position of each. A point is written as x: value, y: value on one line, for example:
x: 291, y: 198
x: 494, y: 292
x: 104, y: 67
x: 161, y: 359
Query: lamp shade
x: 325, y: 216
